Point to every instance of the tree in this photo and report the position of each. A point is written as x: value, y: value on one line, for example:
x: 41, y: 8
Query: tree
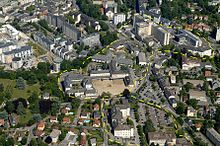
x: 1, y: 87
x: 33, y: 142
x: 10, y: 107
x: 193, y: 103
x: 104, y: 26
x: 126, y: 93
x: 20, y: 109
x: 43, y: 67
x: 149, y: 126
x: 55, y: 106
x: 181, y: 108
x: 24, y: 140
x: 20, y: 83
x: 33, y: 98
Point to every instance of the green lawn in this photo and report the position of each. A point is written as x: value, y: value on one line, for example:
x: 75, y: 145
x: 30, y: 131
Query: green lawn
x: 16, y: 93
x: 23, y: 119
x: 38, y: 51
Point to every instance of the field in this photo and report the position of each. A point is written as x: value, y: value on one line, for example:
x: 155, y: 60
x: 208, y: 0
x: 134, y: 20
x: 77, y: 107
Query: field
x: 16, y: 93
x: 114, y: 87
x: 38, y: 51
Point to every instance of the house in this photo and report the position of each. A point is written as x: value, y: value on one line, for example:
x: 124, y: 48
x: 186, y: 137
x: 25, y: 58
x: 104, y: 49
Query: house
x: 55, y: 135
x: 53, y: 119
x: 162, y: 138
x: 2, y: 122
x: 46, y: 96
x: 85, y: 115
x: 83, y: 140
x: 96, y: 123
x: 96, y: 107
x: 93, y: 141
x: 191, y: 112
x: 66, y: 120
x: 39, y: 133
x: 96, y: 115
x: 198, y: 126
x: 70, y: 139
x: 41, y: 126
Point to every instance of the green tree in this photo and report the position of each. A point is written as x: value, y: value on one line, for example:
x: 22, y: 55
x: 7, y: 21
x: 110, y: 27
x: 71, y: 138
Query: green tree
x: 55, y: 108
x: 193, y: 103
x: 20, y: 83
x: 24, y: 140
x: 1, y: 87
x: 20, y: 109
x: 181, y: 108
x: 9, y: 107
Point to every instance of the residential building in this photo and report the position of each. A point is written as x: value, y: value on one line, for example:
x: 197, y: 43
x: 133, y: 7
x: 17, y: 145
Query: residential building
x: 123, y: 131
x: 70, y: 139
x: 60, y: 22
x: 213, y: 135
x: 142, y: 59
x: 41, y: 126
x: 186, y: 37
x: 201, y: 51
x: 119, y: 18
x: 55, y: 135
x: 119, y: 114
x: 217, y: 35
x: 143, y: 29
x: 92, y: 40
x: 44, y: 41
x: 198, y: 95
x: 189, y: 63
x: 162, y: 35
x: 162, y: 138
x: 93, y: 142
x: 191, y: 112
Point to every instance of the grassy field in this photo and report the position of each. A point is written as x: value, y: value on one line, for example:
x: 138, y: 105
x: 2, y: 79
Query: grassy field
x: 23, y: 119
x: 16, y: 93
x: 38, y: 51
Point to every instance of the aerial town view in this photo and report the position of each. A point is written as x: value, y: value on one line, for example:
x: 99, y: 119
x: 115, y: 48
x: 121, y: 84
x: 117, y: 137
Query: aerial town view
x: 109, y: 72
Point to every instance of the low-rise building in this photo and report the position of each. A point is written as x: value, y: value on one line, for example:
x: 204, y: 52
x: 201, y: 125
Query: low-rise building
x: 142, y: 59
x: 123, y: 131
x: 162, y: 138
x: 213, y: 135
x: 119, y: 18
x: 198, y: 95
x: 191, y: 112
x: 92, y: 40
x: 189, y: 63
x: 55, y: 135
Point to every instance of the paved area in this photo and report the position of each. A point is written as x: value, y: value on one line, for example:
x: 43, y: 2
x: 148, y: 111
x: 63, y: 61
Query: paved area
x: 114, y: 87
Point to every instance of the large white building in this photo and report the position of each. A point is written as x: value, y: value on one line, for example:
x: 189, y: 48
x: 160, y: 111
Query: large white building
x: 201, y: 51
x: 162, y: 138
x: 124, y: 131
x: 143, y: 29
x: 217, y: 35
x: 119, y: 18
x: 162, y: 35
